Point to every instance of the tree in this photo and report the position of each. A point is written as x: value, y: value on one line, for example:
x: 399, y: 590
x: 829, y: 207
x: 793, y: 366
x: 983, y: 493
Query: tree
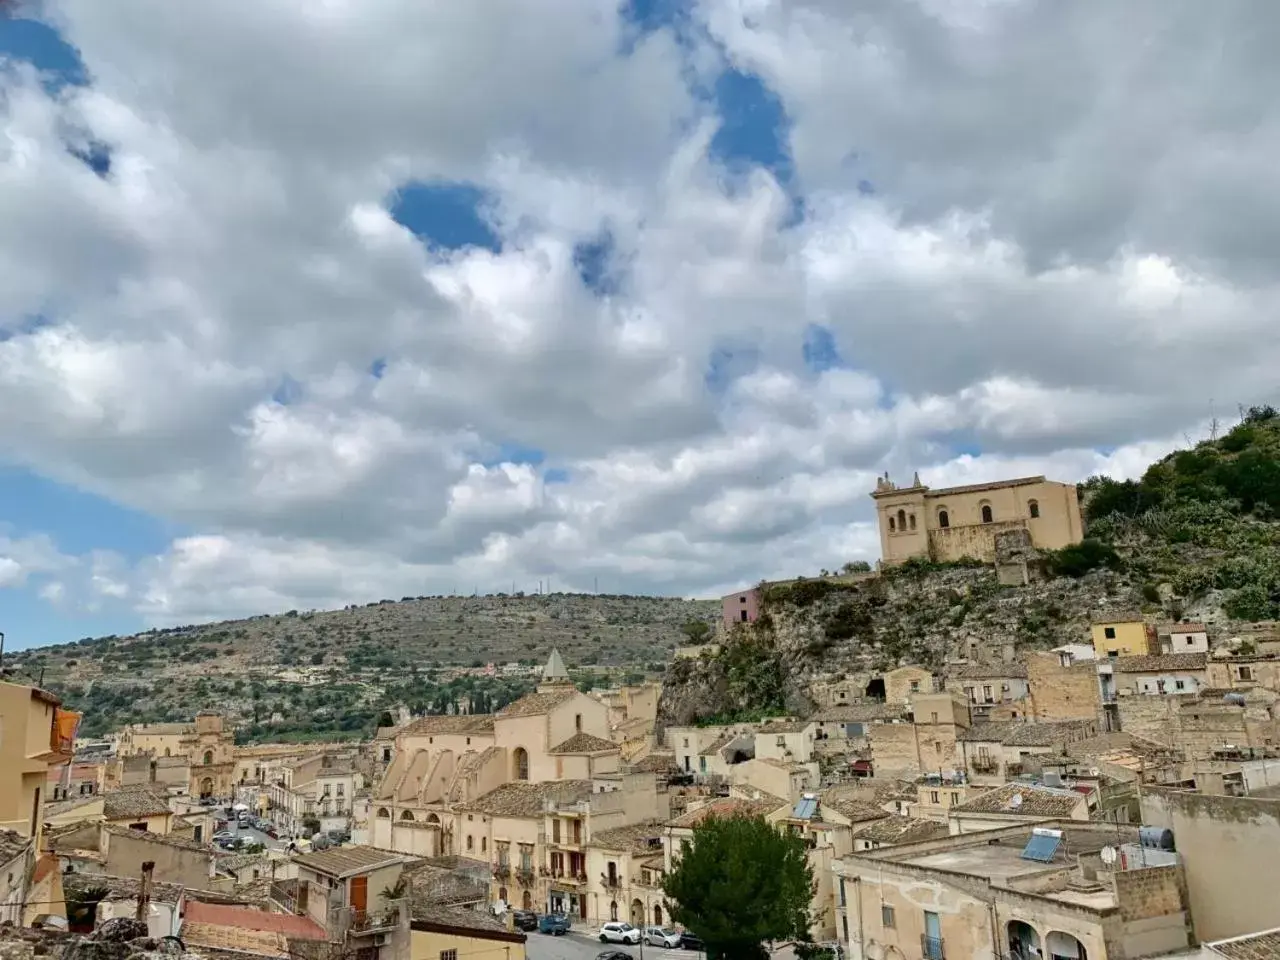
x: 739, y: 884
x: 696, y: 630
x: 385, y: 719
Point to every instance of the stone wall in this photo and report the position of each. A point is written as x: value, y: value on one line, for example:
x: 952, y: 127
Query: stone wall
x: 893, y: 750
x: 1062, y: 693
x: 1227, y: 845
x: 1155, y: 718
x: 1149, y: 892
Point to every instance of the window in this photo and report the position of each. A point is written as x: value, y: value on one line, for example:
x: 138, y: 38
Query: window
x: 1246, y: 673
x: 340, y: 786
x: 520, y: 761
x: 1178, y: 685
x: 577, y: 722
x: 742, y: 599
x: 933, y: 796
x: 1189, y: 641
x: 902, y: 519
x: 972, y: 692
x: 484, y: 844
x: 686, y: 741
x: 843, y: 902
x: 892, y: 526
x: 886, y: 916
x: 702, y: 764
x: 986, y: 693
x: 986, y: 513
x: 944, y: 519
x: 1033, y: 509
x: 781, y: 741
x: 1109, y: 632
x: 915, y: 686
x: 448, y: 955
x: 911, y: 521
x: 555, y: 831
x: 933, y: 716
x: 743, y: 616
x: 937, y: 747
x: 955, y: 797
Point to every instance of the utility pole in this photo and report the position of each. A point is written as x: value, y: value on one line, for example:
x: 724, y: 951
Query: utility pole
x: 144, y: 891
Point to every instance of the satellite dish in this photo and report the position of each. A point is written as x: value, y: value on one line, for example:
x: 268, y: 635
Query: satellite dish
x: 1108, y: 855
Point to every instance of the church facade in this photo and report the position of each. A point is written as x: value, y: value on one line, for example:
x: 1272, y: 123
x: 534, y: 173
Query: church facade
x: 955, y: 523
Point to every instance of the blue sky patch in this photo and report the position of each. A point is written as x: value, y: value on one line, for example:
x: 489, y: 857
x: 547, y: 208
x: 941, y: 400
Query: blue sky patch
x: 555, y: 475
x: 819, y: 350
x: 95, y: 156
x: 727, y: 364
x: 43, y: 47
x: 594, y: 260
x: 516, y: 453
x: 446, y: 214
x: 378, y: 368
x: 754, y: 127
x: 288, y: 392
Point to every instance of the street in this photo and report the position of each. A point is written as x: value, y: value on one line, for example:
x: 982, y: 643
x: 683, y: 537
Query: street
x: 577, y: 945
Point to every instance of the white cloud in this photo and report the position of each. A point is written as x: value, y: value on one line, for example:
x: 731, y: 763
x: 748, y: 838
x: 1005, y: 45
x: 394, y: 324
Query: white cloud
x: 1063, y: 251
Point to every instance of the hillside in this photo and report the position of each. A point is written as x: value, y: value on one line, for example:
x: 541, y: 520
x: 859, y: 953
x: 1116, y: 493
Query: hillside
x: 332, y: 672
x: 1196, y: 537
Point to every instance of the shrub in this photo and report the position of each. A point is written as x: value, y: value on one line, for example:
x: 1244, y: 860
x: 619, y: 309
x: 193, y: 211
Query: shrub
x: 1080, y: 558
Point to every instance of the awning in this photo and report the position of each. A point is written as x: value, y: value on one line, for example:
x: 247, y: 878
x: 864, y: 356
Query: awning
x: 861, y: 766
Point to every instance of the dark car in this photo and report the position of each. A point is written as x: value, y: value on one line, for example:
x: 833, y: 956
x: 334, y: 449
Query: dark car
x: 524, y: 919
x: 614, y: 955
x: 555, y: 925
x: 690, y: 941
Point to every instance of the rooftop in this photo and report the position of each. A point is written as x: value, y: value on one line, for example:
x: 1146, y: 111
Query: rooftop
x: 655, y: 763
x: 858, y: 712
x: 121, y: 804
x: 474, y: 723
x: 894, y: 828
x: 1020, y: 733
x: 784, y: 726
x: 167, y: 840
x: 1108, y: 617
x: 725, y: 807
x: 450, y: 918
x: 586, y: 743
x: 855, y: 809
x: 349, y: 860
x: 978, y: 671
x: 637, y: 838
x: 12, y: 844
x: 1264, y: 945
x: 520, y: 798
x: 1186, y: 626
x: 1023, y: 800
x: 1160, y: 663
x: 247, y: 918
x: 533, y: 704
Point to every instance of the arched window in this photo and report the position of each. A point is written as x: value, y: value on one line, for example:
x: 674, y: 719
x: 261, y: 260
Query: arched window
x: 1033, y: 509
x: 613, y: 910
x: 986, y: 513
x: 911, y: 521
x: 944, y: 519
x: 166, y: 751
x: 657, y: 915
x: 407, y: 815
x: 432, y: 818
x: 893, y: 526
x: 902, y: 519
x: 384, y: 813
x: 208, y: 757
x: 520, y: 764
x: 577, y: 722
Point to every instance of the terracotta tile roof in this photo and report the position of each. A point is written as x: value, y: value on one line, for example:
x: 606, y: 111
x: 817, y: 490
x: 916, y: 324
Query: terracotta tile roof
x: 655, y: 763
x: 979, y: 487
x: 236, y: 863
x: 168, y: 840
x: 126, y: 888
x: 856, y: 809
x: 859, y: 713
x: 349, y: 860
x: 480, y: 925
x: 1036, y: 801
x: 1116, y: 616
x: 133, y: 803
x: 1254, y: 946
x: 724, y: 807
x: 1161, y: 663
x: 977, y: 671
x: 476, y: 723
x: 898, y: 829
x: 247, y: 918
x: 1187, y: 627
x: 532, y: 704
x: 784, y: 726
x: 12, y: 844
x: 639, y: 838
x: 430, y: 884
x: 586, y: 743
x: 521, y: 798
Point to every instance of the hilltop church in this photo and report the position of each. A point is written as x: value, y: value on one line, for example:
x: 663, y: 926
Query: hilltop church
x: 953, y: 523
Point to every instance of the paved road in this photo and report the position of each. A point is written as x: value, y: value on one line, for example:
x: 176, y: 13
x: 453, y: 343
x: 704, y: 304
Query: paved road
x: 256, y: 835
x: 578, y: 946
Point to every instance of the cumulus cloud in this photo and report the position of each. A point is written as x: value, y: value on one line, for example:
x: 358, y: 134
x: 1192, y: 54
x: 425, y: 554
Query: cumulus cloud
x: 1014, y: 241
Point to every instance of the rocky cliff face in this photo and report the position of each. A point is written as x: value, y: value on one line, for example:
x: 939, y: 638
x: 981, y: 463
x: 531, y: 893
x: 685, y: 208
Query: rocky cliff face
x: 816, y: 631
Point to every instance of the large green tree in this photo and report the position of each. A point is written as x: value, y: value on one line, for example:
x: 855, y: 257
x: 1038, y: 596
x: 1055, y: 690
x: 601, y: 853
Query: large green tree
x: 739, y: 884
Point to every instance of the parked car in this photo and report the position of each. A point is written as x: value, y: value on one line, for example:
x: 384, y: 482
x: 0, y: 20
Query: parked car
x: 553, y: 924
x: 223, y: 835
x: 525, y: 919
x: 270, y: 831
x: 614, y: 955
x: 691, y: 941
x: 618, y: 932
x: 661, y: 937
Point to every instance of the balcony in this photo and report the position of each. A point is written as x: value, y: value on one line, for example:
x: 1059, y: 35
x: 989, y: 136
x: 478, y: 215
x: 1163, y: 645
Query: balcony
x: 363, y: 922
x: 612, y: 883
x: 566, y: 879
x: 984, y: 763
x: 931, y: 948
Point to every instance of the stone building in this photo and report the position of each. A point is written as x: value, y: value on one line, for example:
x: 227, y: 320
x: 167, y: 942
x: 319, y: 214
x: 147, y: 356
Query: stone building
x: 1062, y: 687
x: 208, y: 743
x: 1043, y: 890
x: 954, y: 523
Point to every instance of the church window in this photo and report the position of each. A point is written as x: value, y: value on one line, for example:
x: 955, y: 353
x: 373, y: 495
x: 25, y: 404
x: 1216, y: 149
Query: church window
x: 1033, y: 509
x: 892, y: 525
x: 912, y: 521
x: 986, y: 513
x: 902, y: 520
x: 944, y: 519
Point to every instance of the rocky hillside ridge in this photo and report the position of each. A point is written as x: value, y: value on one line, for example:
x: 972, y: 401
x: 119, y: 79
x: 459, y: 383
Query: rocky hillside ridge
x: 1196, y: 537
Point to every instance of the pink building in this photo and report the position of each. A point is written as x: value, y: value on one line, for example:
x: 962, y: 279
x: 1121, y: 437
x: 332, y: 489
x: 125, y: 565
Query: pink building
x: 741, y: 607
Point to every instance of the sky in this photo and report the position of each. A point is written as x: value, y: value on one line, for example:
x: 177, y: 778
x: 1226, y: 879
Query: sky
x: 314, y: 302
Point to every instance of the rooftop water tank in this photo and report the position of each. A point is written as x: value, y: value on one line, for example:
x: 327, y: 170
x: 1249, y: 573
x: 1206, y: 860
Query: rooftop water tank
x: 1156, y: 838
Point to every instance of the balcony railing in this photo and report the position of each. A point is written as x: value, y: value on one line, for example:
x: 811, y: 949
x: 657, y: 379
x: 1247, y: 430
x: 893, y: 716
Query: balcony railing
x: 984, y: 763
x: 362, y: 921
x: 931, y: 948
x: 611, y: 882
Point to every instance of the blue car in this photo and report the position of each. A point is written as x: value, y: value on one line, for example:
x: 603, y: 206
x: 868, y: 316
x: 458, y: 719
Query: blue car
x: 555, y: 925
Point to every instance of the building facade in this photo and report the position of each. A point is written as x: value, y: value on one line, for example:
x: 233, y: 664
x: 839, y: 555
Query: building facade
x: 955, y: 523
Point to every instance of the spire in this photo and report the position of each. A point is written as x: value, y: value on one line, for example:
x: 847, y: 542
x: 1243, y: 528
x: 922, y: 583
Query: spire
x: 555, y: 670
x: 915, y: 481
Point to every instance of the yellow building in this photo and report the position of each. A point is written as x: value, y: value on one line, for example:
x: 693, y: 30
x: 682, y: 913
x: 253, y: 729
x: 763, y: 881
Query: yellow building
x: 954, y: 523
x: 440, y: 932
x: 1123, y: 635
x: 35, y: 734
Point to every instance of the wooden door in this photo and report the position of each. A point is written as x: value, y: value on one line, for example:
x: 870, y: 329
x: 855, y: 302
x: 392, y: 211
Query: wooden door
x: 360, y: 894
